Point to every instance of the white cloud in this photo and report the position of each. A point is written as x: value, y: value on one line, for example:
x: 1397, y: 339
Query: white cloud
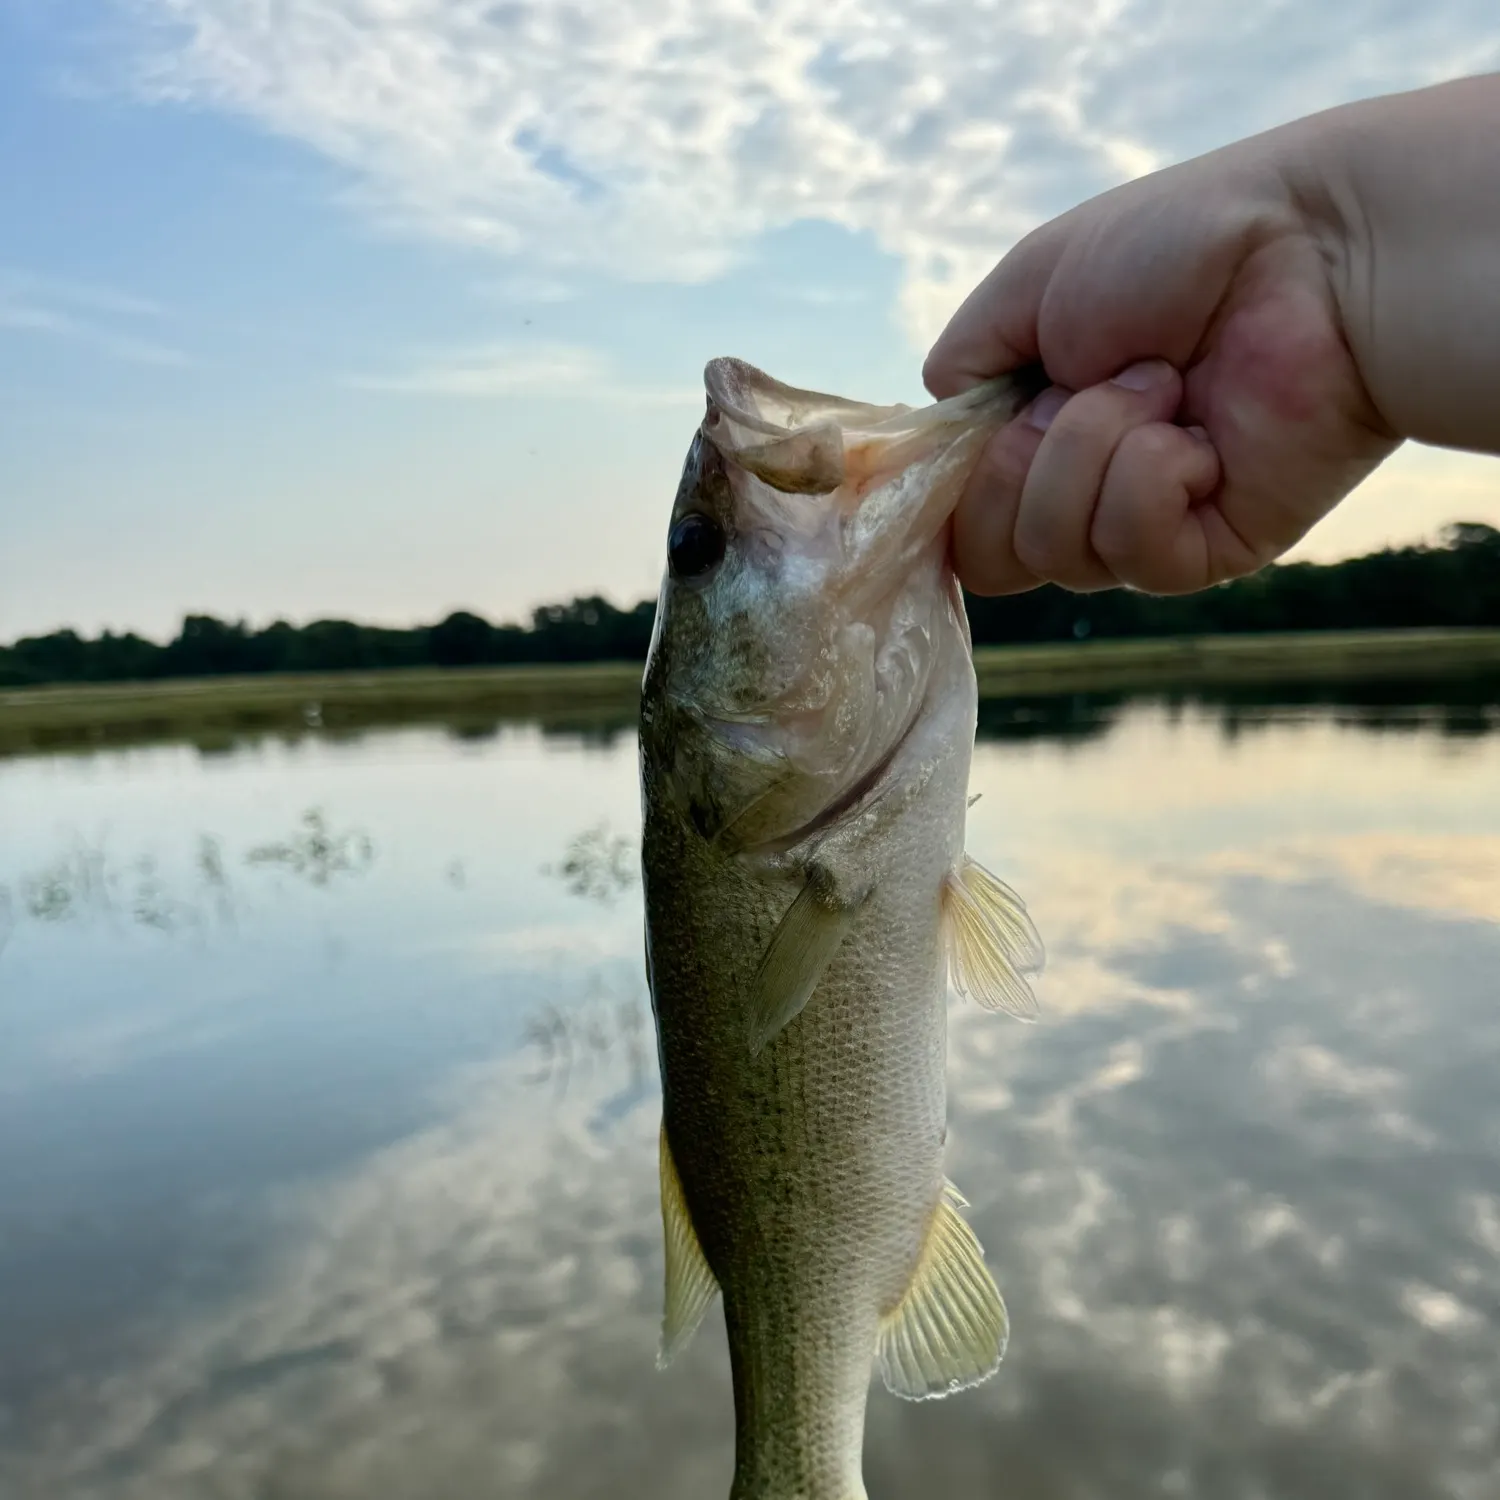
x: 1447, y: 874
x: 81, y: 312
x: 85, y: 294
x: 495, y: 370
x: 532, y: 289
x: 653, y: 138
x: 536, y: 370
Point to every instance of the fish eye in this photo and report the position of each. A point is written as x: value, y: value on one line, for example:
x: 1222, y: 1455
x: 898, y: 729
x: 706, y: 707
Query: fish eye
x: 695, y: 546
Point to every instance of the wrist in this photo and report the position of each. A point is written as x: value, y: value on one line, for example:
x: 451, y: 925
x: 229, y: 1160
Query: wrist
x: 1401, y: 196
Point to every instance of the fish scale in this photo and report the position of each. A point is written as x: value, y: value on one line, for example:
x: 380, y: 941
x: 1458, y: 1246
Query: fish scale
x: 807, y: 891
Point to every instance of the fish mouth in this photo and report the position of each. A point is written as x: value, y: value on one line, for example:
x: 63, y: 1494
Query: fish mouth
x: 788, y: 444
x: 803, y: 442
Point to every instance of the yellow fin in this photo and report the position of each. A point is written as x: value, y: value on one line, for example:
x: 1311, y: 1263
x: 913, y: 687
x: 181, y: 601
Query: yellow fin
x: 690, y: 1284
x: 951, y: 1328
x: 800, y: 950
x: 992, y: 943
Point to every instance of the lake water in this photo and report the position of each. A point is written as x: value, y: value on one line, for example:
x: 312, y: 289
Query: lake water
x: 328, y: 1111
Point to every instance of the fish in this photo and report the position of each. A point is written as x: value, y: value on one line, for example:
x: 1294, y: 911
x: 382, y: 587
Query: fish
x: 807, y: 719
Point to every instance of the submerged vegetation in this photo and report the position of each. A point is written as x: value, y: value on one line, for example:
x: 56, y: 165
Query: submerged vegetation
x: 89, y: 882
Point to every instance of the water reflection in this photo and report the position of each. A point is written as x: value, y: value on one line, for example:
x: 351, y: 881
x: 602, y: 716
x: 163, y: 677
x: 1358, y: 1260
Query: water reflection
x: 598, y: 865
x: 602, y: 728
x: 1059, y: 718
x: 1466, y: 705
x: 1463, y: 706
x: 315, y: 854
x: 1459, y: 702
x: 602, y: 1031
x: 1238, y: 1186
x: 87, y: 882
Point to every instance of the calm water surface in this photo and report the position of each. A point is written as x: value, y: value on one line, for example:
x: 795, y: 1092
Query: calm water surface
x: 328, y: 1108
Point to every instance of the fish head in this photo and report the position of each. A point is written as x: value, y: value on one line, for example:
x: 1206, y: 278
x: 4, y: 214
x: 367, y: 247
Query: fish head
x: 807, y: 594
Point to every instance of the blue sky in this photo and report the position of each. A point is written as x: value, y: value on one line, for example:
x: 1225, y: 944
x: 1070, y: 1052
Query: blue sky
x: 377, y: 311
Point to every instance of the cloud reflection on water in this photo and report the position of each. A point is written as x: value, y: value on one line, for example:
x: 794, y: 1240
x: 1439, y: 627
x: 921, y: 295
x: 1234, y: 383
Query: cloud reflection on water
x: 1239, y: 1187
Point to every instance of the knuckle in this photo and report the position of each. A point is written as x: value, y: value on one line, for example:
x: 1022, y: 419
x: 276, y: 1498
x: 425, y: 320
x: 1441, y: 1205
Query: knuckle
x: 1086, y: 433
x: 1077, y: 437
x: 1116, y: 535
x: 1058, y: 558
x: 1006, y: 462
x: 1137, y: 558
x: 989, y: 575
x: 1040, y: 548
x: 1154, y: 447
x: 1110, y: 414
x: 1224, y: 569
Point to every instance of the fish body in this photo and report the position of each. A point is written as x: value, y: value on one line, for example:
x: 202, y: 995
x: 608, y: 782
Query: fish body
x: 807, y: 721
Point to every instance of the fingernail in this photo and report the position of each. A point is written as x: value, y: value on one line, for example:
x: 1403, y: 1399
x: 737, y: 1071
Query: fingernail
x: 1043, y: 411
x: 1201, y: 433
x: 1145, y: 375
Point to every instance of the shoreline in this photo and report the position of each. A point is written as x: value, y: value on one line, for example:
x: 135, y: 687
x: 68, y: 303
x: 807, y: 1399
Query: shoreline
x: 84, y: 715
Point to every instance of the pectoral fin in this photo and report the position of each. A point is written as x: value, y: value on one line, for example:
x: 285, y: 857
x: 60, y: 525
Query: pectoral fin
x: 992, y: 942
x: 690, y: 1284
x: 950, y: 1329
x: 801, y: 948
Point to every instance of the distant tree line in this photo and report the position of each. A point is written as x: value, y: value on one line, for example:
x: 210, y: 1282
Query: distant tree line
x: 1453, y: 583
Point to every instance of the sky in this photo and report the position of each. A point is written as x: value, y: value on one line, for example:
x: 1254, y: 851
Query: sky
x: 381, y: 308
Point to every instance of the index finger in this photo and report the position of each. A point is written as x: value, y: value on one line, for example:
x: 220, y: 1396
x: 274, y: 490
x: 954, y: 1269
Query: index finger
x: 995, y: 328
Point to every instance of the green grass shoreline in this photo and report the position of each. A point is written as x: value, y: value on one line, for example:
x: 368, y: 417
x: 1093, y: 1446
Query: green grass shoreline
x: 221, y: 708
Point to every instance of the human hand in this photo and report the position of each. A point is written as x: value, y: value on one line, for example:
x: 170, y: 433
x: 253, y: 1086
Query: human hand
x: 1207, y: 410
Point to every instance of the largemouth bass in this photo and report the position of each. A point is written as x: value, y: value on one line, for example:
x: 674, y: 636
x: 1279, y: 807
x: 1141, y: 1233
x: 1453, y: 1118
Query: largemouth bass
x: 807, y: 721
